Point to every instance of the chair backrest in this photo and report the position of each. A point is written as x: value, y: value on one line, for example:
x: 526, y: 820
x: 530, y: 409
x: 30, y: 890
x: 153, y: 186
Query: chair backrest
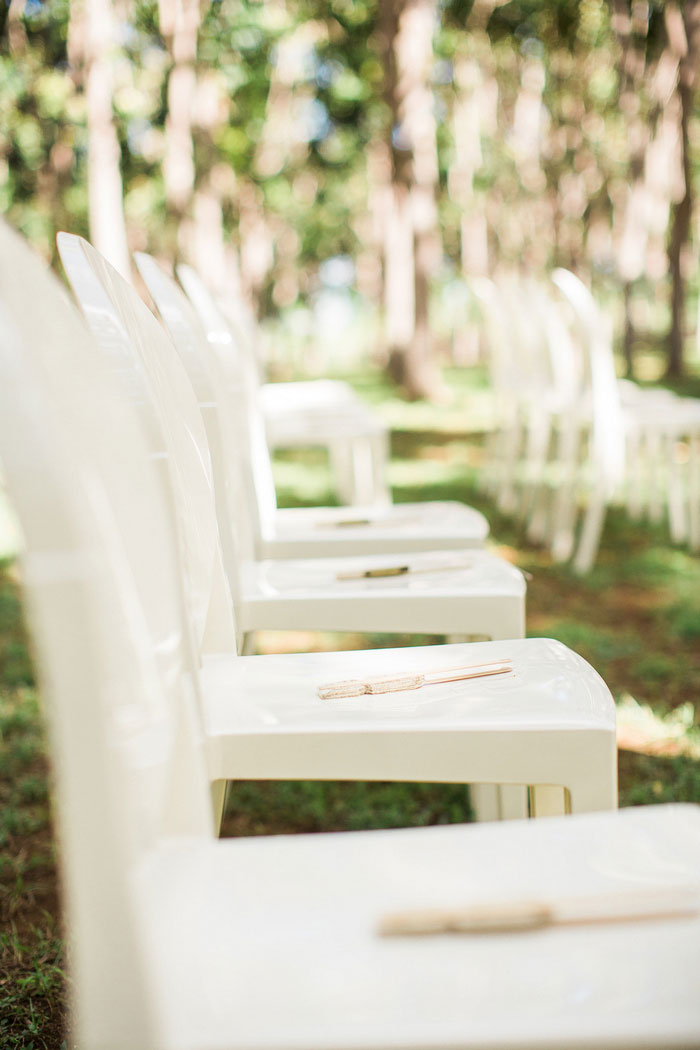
x: 143, y: 357
x: 241, y: 386
x: 525, y: 336
x: 106, y: 616
x: 566, y: 365
x: 502, y: 359
x: 608, y: 437
x: 224, y: 419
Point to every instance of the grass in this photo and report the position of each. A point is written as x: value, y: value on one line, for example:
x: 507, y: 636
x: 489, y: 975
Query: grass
x: 636, y: 618
x: 32, y: 979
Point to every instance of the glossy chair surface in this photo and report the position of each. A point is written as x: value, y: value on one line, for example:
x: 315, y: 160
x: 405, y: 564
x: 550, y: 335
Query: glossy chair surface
x: 182, y: 942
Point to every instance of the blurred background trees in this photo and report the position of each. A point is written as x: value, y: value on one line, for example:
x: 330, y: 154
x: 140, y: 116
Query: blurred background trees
x: 351, y: 164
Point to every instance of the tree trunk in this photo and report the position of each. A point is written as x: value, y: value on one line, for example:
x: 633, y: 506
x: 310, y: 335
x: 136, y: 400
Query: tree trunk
x: 684, y: 36
x: 179, y: 24
x: 680, y: 230
x: 631, y: 26
x: 411, y: 242
x: 16, y: 34
x: 91, y: 38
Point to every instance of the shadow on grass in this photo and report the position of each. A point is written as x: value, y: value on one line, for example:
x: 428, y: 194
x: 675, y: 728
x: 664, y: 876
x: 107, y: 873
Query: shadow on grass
x: 288, y: 807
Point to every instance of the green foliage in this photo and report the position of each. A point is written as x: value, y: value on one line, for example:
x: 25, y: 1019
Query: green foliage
x: 316, y: 198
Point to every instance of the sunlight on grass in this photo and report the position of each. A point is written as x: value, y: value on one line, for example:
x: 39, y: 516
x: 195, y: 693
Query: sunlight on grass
x: 10, y: 535
x: 640, y: 728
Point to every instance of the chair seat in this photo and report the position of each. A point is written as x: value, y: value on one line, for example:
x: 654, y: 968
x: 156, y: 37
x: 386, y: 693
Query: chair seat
x: 291, y: 420
x: 310, y: 532
x: 550, y: 721
x: 271, y: 943
x: 444, y: 592
x: 306, y: 395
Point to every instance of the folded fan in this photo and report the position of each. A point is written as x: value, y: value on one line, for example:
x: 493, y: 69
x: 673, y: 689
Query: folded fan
x: 523, y: 916
x: 403, y: 570
x: 410, y: 680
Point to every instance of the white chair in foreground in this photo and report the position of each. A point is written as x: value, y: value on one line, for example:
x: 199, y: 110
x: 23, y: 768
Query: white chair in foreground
x: 182, y: 942
x: 319, y: 531
x: 549, y: 725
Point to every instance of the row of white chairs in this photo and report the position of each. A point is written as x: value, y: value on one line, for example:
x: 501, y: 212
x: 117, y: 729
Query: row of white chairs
x: 571, y: 439
x: 180, y: 941
x: 437, y: 593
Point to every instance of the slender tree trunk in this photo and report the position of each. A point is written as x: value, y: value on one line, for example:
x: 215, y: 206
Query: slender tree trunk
x: 680, y: 231
x: 179, y: 24
x: 203, y: 241
x: 370, y: 229
x: 411, y: 244
x: 467, y: 121
x: 687, y: 45
x: 91, y: 37
x: 631, y: 24
x: 16, y: 35
x: 256, y: 248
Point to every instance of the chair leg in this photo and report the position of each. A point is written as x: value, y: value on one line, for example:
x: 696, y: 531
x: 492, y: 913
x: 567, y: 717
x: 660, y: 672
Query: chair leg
x: 362, y: 471
x: 548, y: 800
x: 563, y: 519
x: 506, y: 498
x: 342, y: 467
x: 485, y: 802
x: 636, y: 479
x: 380, y: 453
x: 218, y: 789
x: 590, y: 533
x: 248, y: 644
x: 694, y: 493
x: 655, y: 508
x: 513, y: 802
x: 499, y: 802
x: 539, y: 435
x: 677, y: 516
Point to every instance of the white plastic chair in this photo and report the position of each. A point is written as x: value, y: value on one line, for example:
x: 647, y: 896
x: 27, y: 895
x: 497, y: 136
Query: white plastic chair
x: 325, y: 412
x: 317, y: 412
x: 182, y: 942
x: 635, y: 434
x: 317, y: 532
x: 539, y: 378
x: 486, y: 598
x: 279, y: 717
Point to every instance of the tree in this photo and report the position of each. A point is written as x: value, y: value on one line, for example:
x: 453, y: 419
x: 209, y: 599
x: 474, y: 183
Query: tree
x: 683, y: 27
x: 411, y: 236
x: 92, y: 32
